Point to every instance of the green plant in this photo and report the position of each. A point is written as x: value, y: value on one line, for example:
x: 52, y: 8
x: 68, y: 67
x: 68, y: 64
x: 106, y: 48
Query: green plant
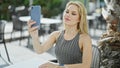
x: 4, y: 11
x: 49, y: 7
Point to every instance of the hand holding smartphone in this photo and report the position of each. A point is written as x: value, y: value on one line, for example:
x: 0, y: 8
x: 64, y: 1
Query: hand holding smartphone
x: 35, y: 14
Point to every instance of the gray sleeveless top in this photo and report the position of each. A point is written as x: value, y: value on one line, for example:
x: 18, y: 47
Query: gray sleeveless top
x: 68, y: 51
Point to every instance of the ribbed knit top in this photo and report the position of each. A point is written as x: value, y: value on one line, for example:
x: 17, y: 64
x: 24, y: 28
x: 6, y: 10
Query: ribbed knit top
x: 68, y: 51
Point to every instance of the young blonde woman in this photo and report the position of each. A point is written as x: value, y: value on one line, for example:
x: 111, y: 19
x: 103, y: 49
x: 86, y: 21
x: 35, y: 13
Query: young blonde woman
x: 73, y: 47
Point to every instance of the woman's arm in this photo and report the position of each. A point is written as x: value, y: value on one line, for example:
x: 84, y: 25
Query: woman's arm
x: 40, y: 48
x: 86, y: 48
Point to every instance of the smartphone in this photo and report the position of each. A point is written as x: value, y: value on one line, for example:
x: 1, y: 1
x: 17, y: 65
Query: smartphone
x: 35, y: 14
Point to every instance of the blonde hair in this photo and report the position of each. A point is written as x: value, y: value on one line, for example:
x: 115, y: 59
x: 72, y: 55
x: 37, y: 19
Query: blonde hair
x: 82, y: 25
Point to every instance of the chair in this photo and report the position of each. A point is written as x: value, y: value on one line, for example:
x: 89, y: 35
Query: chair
x: 19, y: 26
x: 53, y: 27
x: 95, y: 57
x: 2, y: 39
x: 41, y: 30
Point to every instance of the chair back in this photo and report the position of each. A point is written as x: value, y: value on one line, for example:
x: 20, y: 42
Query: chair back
x: 2, y: 28
x: 95, y: 57
x: 16, y: 23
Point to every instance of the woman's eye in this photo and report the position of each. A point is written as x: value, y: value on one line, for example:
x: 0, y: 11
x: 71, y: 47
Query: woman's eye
x: 66, y: 11
x: 73, y: 14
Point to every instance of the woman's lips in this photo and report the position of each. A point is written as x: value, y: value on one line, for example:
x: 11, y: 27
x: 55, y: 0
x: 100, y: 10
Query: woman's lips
x: 67, y: 19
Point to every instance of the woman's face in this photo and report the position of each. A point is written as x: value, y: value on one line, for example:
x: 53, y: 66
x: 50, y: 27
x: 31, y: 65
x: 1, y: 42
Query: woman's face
x: 71, y: 15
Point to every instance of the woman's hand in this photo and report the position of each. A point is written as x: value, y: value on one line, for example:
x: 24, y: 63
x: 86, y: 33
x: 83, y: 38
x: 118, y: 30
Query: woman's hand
x: 49, y: 65
x: 32, y: 30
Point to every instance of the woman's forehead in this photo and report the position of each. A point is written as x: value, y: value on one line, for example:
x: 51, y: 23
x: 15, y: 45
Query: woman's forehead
x: 72, y: 7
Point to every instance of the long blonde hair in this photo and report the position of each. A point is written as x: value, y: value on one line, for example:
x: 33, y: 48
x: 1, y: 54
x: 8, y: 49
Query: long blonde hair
x: 82, y: 25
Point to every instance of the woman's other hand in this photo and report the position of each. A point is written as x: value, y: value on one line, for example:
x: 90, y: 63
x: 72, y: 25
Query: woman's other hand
x: 49, y: 65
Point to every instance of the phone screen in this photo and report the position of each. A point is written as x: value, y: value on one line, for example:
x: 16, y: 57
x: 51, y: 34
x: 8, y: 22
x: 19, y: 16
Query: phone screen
x: 35, y: 14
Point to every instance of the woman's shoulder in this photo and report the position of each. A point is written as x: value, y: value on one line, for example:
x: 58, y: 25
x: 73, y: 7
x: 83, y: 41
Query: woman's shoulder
x: 85, y: 37
x: 56, y: 34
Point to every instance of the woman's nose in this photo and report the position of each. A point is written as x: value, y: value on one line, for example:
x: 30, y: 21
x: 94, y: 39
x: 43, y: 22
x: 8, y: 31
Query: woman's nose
x: 67, y: 14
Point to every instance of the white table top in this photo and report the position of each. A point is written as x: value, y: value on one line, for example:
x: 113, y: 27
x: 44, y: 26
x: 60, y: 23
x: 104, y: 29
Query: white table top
x: 33, y: 62
x: 51, y: 21
x: 43, y: 20
x: 90, y: 17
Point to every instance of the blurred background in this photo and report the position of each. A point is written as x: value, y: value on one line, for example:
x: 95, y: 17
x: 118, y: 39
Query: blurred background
x: 16, y: 44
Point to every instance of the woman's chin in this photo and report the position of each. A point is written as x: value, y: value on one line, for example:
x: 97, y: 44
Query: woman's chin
x: 67, y: 21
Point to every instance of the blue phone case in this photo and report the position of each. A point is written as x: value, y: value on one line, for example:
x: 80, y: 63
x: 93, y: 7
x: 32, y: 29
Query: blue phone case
x: 35, y: 15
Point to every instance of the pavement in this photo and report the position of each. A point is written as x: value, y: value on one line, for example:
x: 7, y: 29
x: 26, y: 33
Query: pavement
x: 20, y: 53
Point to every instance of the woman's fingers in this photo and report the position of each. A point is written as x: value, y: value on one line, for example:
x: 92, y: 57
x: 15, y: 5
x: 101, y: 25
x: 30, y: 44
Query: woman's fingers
x: 33, y: 31
x: 33, y: 28
x: 43, y: 66
x: 30, y: 23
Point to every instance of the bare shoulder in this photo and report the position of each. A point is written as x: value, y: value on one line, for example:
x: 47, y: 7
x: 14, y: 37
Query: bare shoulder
x: 85, y: 40
x: 85, y: 37
x: 55, y: 34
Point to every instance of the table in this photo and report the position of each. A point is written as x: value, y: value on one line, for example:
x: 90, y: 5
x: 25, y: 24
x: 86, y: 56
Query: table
x: 43, y: 20
x: 50, y: 21
x: 33, y: 62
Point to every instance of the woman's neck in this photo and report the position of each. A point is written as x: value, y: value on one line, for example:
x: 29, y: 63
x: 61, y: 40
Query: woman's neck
x: 71, y: 30
x: 70, y: 33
